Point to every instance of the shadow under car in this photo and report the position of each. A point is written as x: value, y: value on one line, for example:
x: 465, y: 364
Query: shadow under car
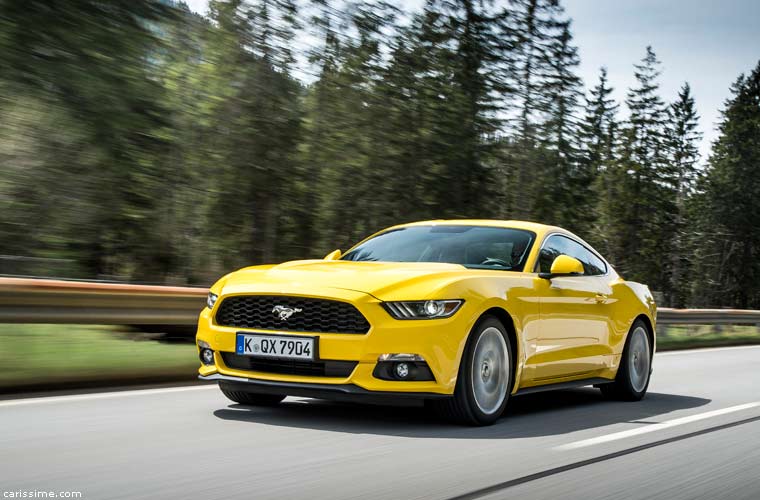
x: 531, y: 415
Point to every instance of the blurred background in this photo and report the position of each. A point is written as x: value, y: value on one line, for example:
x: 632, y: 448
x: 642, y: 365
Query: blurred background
x: 156, y: 142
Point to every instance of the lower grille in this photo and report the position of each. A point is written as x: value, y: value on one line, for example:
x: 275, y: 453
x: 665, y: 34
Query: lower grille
x: 324, y: 368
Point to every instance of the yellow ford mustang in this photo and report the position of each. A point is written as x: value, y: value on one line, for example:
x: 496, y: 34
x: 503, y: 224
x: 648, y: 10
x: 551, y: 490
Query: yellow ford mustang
x: 462, y: 314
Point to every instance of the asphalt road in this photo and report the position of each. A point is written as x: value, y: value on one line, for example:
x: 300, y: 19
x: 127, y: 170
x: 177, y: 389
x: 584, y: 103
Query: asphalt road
x: 696, y: 435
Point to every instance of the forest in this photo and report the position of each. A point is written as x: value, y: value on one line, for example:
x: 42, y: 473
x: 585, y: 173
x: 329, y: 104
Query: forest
x: 142, y: 142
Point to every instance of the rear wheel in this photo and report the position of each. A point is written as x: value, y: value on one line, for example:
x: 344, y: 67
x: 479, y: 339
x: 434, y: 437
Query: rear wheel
x: 485, y: 377
x: 251, y: 398
x: 632, y: 379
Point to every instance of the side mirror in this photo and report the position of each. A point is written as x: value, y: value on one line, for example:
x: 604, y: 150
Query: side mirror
x: 563, y: 265
x: 334, y: 255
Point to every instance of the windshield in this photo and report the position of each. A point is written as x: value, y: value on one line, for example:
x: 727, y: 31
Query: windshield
x: 479, y: 247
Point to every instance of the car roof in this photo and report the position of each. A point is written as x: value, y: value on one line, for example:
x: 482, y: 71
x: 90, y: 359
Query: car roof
x: 514, y: 224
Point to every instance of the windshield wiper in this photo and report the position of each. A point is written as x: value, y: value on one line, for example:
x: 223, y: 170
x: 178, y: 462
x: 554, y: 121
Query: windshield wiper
x: 494, y: 267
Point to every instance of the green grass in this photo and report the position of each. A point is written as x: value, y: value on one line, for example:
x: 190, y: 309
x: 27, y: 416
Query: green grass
x: 59, y: 356
x: 695, y: 336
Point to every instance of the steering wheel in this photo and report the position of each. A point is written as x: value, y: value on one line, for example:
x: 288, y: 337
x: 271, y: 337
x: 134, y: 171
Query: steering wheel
x: 493, y: 261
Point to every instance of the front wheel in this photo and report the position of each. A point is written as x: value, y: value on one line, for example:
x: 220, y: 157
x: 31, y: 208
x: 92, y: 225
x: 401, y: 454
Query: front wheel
x: 485, y: 377
x: 632, y: 379
x: 251, y: 398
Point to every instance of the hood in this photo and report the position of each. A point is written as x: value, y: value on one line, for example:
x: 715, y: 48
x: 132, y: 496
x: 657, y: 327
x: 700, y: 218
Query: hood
x: 378, y: 279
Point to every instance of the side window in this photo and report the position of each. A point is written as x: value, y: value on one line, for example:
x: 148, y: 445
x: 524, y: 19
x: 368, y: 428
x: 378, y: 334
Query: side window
x: 552, y: 248
x: 560, y: 245
x: 592, y: 265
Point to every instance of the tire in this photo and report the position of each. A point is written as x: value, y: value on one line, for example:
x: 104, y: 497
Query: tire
x: 481, y: 395
x: 251, y: 398
x: 632, y: 379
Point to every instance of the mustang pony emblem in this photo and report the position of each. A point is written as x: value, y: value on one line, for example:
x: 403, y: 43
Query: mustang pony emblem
x: 284, y: 312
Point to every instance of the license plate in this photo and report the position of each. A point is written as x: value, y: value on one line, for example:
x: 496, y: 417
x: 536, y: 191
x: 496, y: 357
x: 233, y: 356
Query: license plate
x: 276, y: 346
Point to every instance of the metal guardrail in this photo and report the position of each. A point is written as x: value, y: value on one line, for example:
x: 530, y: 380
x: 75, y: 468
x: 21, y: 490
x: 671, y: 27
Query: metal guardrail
x: 25, y: 300
x: 53, y: 301
x: 666, y: 316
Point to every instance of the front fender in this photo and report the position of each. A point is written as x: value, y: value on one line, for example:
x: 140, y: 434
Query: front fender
x: 513, y: 300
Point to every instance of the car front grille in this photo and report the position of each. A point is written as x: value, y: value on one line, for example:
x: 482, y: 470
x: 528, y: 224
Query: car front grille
x: 311, y: 314
x: 323, y: 368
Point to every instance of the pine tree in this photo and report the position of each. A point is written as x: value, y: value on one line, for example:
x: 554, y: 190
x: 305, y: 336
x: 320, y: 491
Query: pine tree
x: 471, y: 32
x: 599, y: 129
x: 531, y: 27
x: 415, y: 122
x: 683, y: 141
x: 561, y: 200
x: 644, y: 207
x: 648, y: 119
x: 600, y: 132
x: 256, y: 123
x: 339, y: 140
x: 730, y: 255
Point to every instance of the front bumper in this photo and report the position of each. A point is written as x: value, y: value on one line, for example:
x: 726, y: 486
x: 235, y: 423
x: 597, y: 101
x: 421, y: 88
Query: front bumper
x: 335, y: 392
x: 440, y: 342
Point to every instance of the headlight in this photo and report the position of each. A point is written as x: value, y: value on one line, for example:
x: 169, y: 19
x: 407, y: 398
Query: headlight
x: 211, y: 300
x: 423, y: 309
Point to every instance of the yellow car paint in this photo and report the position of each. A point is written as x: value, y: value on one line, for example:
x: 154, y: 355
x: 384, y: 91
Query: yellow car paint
x: 567, y: 328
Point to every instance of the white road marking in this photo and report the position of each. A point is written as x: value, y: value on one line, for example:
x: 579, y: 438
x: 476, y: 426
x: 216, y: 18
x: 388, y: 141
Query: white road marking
x: 101, y: 395
x: 708, y: 349
x: 656, y: 427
